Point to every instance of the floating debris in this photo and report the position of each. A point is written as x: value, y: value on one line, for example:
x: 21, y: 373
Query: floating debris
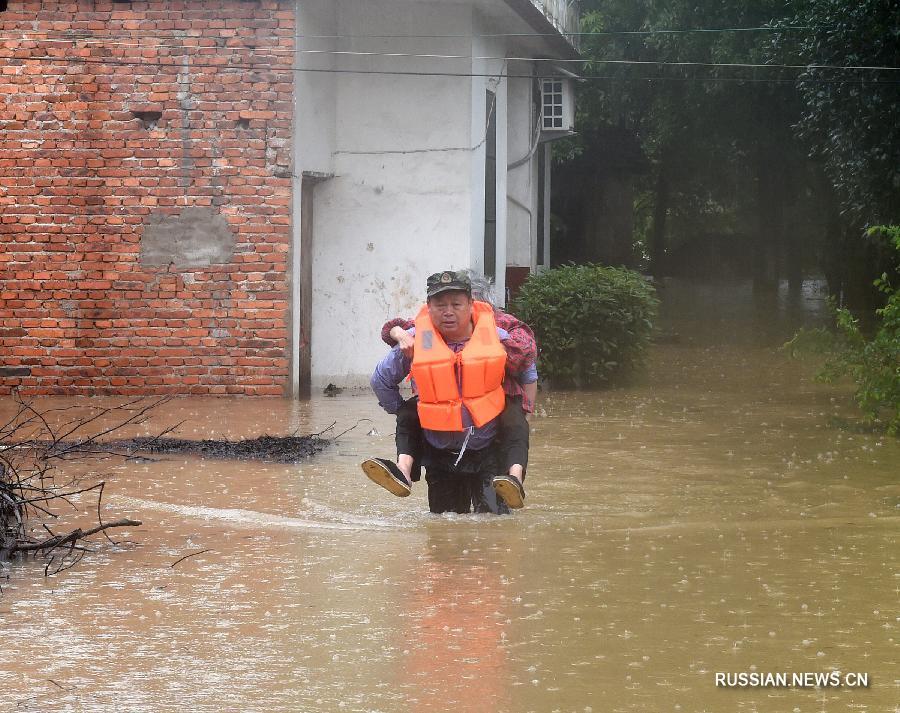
x: 277, y: 449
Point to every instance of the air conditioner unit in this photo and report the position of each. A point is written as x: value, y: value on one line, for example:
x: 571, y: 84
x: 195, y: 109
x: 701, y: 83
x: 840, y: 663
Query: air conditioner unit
x: 557, y: 106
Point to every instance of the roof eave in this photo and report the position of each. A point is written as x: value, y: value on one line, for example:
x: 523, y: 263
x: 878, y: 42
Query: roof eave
x: 539, y: 22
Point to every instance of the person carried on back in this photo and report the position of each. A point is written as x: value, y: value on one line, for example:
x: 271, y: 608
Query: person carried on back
x: 459, y: 363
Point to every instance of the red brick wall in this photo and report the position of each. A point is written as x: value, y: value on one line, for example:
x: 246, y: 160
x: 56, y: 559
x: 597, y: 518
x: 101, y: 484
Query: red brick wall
x: 81, y: 178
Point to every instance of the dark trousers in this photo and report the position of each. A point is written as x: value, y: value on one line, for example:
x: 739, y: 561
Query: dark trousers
x: 409, y: 436
x: 465, y: 486
x: 468, y: 485
x: 512, y: 435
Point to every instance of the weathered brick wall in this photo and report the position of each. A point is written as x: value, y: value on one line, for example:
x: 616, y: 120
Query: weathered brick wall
x: 145, y: 196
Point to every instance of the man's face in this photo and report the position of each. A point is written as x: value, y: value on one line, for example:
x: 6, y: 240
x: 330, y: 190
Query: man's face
x: 451, y: 313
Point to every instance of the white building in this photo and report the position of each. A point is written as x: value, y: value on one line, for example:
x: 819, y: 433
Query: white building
x: 420, y: 146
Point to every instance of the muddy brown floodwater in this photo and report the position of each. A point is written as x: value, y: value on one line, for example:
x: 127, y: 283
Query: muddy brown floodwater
x: 709, y: 518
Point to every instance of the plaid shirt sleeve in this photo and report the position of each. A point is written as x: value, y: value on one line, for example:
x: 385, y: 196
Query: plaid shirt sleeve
x: 390, y: 324
x: 521, y: 354
x: 521, y: 349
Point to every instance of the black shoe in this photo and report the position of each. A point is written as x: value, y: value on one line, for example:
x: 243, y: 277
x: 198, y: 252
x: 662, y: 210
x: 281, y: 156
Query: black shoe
x: 510, y: 490
x: 387, y: 475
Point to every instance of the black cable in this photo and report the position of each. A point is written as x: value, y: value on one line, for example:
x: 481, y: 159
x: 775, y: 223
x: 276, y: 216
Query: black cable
x: 181, y: 67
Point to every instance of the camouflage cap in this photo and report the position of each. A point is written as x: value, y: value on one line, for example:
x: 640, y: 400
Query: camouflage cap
x: 448, y: 280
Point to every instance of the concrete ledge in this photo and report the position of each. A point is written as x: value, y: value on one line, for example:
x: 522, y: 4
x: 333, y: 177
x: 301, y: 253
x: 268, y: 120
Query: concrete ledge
x: 542, y: 25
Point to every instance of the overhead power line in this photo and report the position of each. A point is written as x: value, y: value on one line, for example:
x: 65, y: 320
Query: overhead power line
x: 288, y: 53
x: 181, y: 67
x: 593, y: 33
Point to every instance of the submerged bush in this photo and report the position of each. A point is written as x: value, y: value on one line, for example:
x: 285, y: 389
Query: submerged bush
x: 593, y: 323
x: 872, y: 362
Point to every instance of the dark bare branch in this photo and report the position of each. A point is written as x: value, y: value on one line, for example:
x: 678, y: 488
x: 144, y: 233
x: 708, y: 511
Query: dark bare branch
x: 31, y: 445
x: 192, y: 554
x: 57, y: 541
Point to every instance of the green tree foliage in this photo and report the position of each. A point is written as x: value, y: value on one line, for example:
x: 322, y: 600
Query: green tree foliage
x: 753, y: 161
x: 593, y: 323
x: 851, y: 126
x: 721, y: 159
x: 872, y: 362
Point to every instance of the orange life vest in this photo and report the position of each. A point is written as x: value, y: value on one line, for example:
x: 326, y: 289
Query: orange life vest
x: 481, y: 365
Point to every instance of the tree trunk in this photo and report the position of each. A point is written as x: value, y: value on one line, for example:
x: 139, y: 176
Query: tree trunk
x: 660, y: 214
x: 770, y: 220
x: 793, y: 261
x: 609, y: 220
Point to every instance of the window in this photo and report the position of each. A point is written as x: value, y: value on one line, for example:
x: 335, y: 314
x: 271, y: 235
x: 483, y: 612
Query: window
x: 552, y: 110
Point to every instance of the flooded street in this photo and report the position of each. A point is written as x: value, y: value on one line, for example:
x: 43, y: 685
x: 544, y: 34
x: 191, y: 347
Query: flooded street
x: 711, y: 517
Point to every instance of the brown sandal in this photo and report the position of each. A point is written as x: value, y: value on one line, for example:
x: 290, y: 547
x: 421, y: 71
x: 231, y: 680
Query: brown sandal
x: 510, y: 490
x: 387, y: 475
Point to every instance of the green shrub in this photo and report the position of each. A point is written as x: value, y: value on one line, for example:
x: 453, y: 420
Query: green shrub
x: 872, y: 362
x: 592, y: 323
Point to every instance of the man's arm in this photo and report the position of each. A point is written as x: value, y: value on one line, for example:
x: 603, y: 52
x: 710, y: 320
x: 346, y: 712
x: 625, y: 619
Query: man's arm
x: 405, y: 339
x: 385, y: 381
x: 387, y: 329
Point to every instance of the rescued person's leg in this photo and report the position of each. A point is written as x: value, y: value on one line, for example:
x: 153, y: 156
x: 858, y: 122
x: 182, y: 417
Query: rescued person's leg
x: 409, y: 440
x: 512, y: 442
x: 484, y: 494
x: 479, y: 482
x: 512, y: 438
x: 398, y: 477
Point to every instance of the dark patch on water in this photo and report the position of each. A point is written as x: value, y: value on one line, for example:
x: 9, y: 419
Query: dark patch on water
x: 276, y: 449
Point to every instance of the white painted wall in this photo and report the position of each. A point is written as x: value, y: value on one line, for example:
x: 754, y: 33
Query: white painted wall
x: 521, y: 194
x: 314, y: 112
x: 398, y: 207
x: 313, y: 134
x: 489, y: 74
x: 407, y: 156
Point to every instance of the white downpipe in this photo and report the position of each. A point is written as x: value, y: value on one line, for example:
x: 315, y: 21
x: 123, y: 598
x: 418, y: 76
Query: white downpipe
x: 501, y: 190
x: 476, y: 225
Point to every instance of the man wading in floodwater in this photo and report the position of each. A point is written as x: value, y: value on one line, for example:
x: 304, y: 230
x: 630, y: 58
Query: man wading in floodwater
x: 459, y: 364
